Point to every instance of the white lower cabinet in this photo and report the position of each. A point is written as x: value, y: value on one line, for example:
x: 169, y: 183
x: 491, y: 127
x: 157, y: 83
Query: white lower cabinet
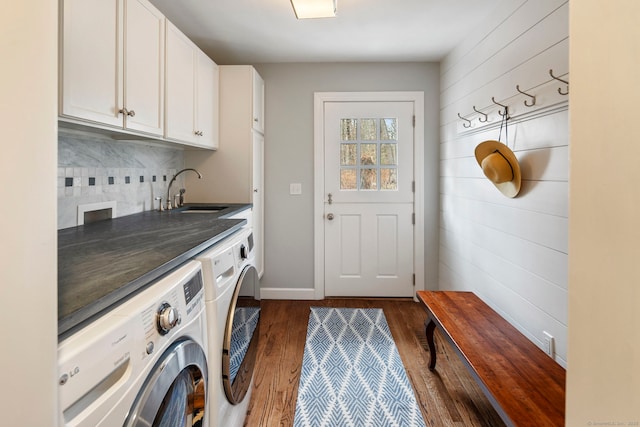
x: 234, y: 173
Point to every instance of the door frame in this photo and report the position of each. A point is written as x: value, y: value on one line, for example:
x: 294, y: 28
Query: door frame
x: 319, y: 99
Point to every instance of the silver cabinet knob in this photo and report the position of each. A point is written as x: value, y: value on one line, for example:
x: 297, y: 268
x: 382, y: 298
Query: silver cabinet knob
x: 330, y: 216
x: 129, y: 113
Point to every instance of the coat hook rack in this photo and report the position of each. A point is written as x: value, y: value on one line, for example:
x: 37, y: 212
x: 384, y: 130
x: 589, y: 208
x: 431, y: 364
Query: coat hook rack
x: 480, y: 119
x: 506, y: 108
x: 533, y: 98
x: 563, y: 81
x: 468, y: 124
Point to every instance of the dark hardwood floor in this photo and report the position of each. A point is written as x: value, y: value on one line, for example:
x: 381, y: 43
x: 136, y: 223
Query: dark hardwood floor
x: 447, y: 397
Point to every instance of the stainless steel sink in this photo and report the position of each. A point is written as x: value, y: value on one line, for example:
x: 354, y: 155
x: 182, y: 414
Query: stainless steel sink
x: 202, y: 209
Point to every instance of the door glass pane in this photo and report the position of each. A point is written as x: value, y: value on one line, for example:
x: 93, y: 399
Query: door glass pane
x: 368, y: 179
x: 348, y: 154
x: 348, y: 179
x: 368, y: 154
x: 388, y: 179
x: 388, y: 130
x: 368, y: 131
x: 348, y: 129
x: 362, y: 157
x: 388, y: 154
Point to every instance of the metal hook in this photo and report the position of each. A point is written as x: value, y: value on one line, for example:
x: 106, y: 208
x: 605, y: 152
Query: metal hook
x: 563, y: 81
x: 506, y: 108
x: 533, y: 98
x: 486, y: 117
x: 466, y: 120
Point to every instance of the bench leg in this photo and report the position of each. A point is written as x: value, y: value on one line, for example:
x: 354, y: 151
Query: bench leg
x: 430, y: 326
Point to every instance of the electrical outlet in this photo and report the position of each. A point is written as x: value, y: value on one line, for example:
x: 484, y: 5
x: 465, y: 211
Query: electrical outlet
x: 549, y: 346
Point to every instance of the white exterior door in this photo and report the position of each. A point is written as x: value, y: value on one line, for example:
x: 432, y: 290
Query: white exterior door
x: 368, y: 198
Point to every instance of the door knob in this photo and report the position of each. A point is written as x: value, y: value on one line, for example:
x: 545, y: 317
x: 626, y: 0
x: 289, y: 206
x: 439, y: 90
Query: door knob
x: 329, y: 216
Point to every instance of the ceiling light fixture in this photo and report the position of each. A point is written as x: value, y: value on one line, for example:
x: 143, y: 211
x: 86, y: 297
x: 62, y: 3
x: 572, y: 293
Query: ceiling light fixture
x: 305, y: 9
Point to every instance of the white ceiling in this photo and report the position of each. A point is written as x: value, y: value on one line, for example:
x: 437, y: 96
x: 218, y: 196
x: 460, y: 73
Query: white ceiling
x: 267, y: 31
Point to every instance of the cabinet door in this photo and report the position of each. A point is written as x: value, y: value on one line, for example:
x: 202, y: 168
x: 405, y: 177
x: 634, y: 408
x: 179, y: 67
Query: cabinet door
x: 91, y: 61
x: 207, y: 102
x: 144, y: 67
x: 257, y: 154
x: 258, y: 102
x: 181, y: 86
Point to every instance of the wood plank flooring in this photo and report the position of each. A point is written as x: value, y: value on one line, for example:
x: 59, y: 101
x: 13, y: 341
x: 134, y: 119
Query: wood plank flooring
x: 447, y: 397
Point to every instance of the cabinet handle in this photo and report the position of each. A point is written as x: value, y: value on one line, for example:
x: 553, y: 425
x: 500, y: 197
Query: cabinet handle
x: 129, y: 113
x: 199, y: 133
x: 255, y: 119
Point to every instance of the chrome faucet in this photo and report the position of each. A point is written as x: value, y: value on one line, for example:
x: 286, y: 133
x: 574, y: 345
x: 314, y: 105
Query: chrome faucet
x: 173, y: 179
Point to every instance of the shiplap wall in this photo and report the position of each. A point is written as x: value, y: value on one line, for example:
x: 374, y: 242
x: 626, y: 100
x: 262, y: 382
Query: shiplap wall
x: 511, y: 252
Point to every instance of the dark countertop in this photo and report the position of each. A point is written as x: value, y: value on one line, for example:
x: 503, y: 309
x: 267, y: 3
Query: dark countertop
x: 101, y: 264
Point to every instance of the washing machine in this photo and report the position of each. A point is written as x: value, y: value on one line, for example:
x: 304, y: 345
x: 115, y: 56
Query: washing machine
x: 144, y: 363
x: 233, y: 310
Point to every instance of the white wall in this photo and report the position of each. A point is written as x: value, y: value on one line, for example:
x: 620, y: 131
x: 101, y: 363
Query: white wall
x: 513, y: 253
x: 289, y: 92
x: 28, y: 111
x: 603, y: 379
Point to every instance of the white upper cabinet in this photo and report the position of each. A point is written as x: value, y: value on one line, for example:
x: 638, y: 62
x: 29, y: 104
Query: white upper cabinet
x: 192, y: 92
x: 181, y: 74
x: 112, y: 64
x: 258, y: 102
x: 144, y: 67
x: 207, y: 100
x: 91, y: 61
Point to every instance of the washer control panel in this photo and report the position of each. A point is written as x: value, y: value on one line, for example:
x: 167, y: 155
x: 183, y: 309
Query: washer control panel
x: 176, y: 306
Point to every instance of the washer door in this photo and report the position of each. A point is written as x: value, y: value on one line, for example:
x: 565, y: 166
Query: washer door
x: 174, y: 394
x: 240, y: 343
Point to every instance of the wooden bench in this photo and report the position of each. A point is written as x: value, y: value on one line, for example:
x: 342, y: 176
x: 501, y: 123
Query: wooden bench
x: 524, y: 384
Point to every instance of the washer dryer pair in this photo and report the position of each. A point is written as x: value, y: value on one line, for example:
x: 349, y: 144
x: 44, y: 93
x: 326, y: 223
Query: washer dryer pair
x: 233, y: 310
x: 144, y: 363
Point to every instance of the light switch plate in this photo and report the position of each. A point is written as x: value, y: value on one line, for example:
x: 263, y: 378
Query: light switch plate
x: 295, y: 188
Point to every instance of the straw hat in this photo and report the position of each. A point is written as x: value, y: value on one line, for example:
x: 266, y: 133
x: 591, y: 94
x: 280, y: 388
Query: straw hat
x: 500, y: 165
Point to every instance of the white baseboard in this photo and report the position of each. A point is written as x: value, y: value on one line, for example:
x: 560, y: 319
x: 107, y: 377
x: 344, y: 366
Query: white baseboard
x: 288, y: 293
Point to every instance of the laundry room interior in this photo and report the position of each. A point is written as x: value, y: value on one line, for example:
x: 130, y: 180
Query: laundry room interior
x: 387, y: 214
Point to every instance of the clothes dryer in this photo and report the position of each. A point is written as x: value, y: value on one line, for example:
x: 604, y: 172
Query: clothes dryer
x: 142, y: 364
x: 228, y: 269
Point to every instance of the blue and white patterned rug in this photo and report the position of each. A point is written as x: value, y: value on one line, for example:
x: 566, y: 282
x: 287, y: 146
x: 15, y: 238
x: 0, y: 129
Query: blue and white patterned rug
x: 352, y: 374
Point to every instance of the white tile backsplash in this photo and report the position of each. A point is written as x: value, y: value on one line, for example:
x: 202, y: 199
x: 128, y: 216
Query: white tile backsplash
x: 84, y: 154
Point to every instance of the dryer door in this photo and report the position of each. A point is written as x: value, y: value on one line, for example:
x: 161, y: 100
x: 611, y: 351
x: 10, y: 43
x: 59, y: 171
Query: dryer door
x: 174, y: 394
x: 240, y: 343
